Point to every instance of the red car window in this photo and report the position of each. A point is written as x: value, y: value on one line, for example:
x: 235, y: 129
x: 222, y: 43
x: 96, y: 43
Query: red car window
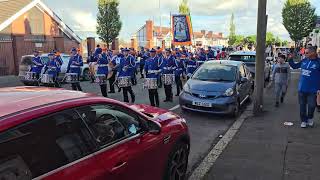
x: 31, y: 147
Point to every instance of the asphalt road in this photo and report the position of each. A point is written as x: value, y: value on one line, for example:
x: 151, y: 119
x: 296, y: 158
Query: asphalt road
x: 204, y: 128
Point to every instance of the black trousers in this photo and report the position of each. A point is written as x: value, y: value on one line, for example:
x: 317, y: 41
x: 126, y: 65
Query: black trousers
x: 104, y: 90
x: 178, y: 84
x: 159, y: 81
x: 141, y: 70
x: 168, y: 92
x: 111, y: 81
x: 125, y: 92
x: 76, y: 86
x: 154, y: 97
x: 134, y: 79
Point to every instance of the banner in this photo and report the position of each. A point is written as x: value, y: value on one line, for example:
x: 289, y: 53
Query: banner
x: 181, y: 30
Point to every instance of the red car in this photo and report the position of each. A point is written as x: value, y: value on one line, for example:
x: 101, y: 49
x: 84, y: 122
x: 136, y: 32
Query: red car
x: 59, y: 134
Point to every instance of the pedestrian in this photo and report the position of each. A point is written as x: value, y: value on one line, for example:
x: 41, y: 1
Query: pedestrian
x: 191, y: 66
x: 74, y: 66
x: 281, y: 77
x: 52, y: 69
x: 152, y: 70
x: 211, y: 53
x: 309, y: 84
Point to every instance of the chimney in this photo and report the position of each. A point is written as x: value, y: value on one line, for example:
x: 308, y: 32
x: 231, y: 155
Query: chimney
x: 210, y: 33
x: 220, y: 35
x: 203, y: 32
x: 149, y: 32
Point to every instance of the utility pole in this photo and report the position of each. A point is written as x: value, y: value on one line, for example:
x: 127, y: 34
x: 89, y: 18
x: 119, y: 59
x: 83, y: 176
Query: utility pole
x: 260, y: 56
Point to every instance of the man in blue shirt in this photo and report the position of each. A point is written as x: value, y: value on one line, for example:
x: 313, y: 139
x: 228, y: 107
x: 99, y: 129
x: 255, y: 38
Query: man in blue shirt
x: 152, y: 70
x: 52, y: 69
x: 168, y: 67
x: 178, y: 73
x: 309, y: 84
x: 74, y: 66
x: 210, y: 53
x: 36, y: 64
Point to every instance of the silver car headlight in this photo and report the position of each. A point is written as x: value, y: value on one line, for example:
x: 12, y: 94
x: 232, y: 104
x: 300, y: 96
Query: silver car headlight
x: 186, y: 88
x: 229, y: 92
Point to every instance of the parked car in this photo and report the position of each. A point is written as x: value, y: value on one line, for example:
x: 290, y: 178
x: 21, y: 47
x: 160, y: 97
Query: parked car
x: 26, y: 62
x: 219, y: 87
x: 62, y: 134
x: 249, y: 58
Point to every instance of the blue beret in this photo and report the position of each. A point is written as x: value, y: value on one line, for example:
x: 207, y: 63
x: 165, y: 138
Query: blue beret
x: 74, y: 49
x: 153, y: 50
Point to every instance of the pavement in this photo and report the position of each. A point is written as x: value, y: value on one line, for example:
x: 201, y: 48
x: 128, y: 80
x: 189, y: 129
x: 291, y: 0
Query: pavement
x: 266, y: 149
x: 204, y: 128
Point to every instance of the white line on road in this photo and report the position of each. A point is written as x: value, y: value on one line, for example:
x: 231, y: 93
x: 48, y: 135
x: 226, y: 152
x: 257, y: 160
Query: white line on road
x: 174, y: 108
x: 213, y: 155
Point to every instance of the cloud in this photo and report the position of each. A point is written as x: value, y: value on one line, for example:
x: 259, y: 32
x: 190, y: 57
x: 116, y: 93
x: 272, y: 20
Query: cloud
x: 84, y: 21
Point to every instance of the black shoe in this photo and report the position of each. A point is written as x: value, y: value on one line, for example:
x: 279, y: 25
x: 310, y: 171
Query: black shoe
x: 111, y: 92
x: 277, y: 104
x: 119, y: 90
x: 282, y: 99
x: 177, y: 95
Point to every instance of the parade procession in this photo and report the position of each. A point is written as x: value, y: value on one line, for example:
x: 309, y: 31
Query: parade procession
x: 159, y: 68
x: 159, y: 89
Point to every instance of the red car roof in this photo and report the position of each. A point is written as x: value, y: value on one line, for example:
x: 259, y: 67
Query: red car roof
x: 17, y: 99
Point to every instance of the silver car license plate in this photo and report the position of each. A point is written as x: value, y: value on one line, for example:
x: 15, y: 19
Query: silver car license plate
x: 202, y: 104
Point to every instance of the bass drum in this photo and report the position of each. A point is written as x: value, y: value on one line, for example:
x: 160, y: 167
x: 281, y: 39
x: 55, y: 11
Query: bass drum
x: 100, y: 79
x: 124, y: 81
x: 150, y: 83
x: 71, y: 78
x: 47, y: 79
x: 168, y: 79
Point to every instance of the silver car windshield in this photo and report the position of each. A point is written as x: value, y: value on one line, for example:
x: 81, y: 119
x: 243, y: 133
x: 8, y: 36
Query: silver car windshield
x: 215, y: 72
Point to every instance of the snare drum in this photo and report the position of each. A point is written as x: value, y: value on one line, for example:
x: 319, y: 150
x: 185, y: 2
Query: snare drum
x: 150, y: 83
x: 124, y: 81
x: 100, y: 79
x: 71, y: 78
x: 47, y: 79
x: 31, y: 76
x: 168, y: 79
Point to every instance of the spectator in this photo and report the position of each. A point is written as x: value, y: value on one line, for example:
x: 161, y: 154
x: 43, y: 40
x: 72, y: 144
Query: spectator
x: 281, y: 76
x: 309, y: 84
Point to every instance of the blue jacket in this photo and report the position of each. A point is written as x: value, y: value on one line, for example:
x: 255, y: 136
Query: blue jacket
x: 203, y: 57
x: 179, y: 68
x: 310, y: 75
x: 37, y: 64
x: 152, y: 67
x: 168, y: 66
x: 60, y: 62
x: 211, y: 54
x: 52, y: 67
x: 75, y: 63
x: 126, y: 66
x: 191, y: 65
x: 102, y: 66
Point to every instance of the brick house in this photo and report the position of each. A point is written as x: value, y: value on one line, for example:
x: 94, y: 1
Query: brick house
x: 150, y: 36
x: 26, y: 25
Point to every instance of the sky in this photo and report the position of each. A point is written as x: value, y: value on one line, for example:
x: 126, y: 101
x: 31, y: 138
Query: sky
x: 212, y: 15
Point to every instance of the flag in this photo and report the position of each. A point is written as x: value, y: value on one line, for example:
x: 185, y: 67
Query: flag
x: 181, y: 30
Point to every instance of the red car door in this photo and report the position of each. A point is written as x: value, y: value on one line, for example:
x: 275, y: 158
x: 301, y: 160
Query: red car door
x: 147, y: 157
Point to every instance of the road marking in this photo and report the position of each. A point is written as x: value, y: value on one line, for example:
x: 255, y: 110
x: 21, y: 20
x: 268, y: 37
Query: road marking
x: 174, y: 108
x: 216, y: 151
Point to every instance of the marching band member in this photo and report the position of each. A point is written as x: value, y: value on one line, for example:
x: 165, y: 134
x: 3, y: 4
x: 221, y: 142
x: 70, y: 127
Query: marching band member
x: 74, y: 65
x: 125, y: 69
x: 211, y: 53
x: 92, y: 63
x: 160, y: 61
x: 152, y: 70
x: 168, y: 67
x: 133, y: 76
x: 202, y: 57
x: 178, y: 73
x: 52, y: 68
x: 191, y: 65
x: 59, y: 60
x: 143, y: 56
x: 103, y: 69
x: 37, y: 64
x: 113, y: 65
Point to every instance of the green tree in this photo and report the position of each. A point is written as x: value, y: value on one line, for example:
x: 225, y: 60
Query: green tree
x: 232, y: 33
x: 184, y: 8
x: 239, y: 40
x: 285, y: 43
x: 108, y: 19
x: 252, y: 39
x: 298, y: 18
x: 270, y: 38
